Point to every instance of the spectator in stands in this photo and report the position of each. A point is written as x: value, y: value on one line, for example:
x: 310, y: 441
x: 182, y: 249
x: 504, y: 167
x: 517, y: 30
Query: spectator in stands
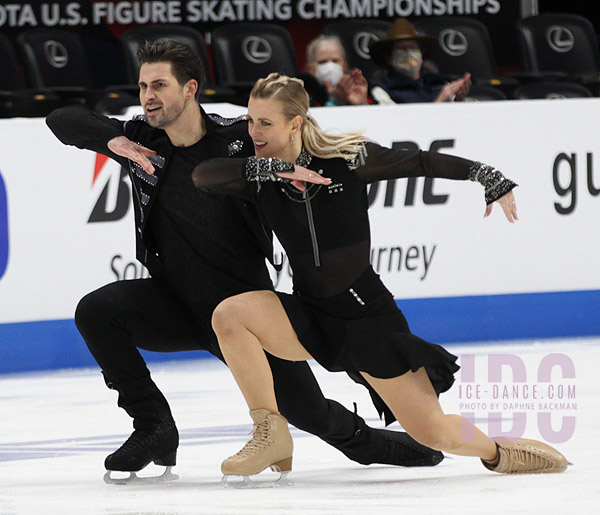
x: 328, y: 79
x: 401, y: 55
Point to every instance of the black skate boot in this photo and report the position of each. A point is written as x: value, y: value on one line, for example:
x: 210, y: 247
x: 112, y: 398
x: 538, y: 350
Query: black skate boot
x: 155, y: 438
x: 144, y: 446
x: 368, y: 446
x: 402, y: 449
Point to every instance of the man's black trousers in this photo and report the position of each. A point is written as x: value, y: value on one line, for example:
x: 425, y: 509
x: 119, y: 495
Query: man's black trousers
x: 121, y: 317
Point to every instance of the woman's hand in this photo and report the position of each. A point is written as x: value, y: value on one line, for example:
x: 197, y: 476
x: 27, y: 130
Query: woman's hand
x: 508, y: 205
x: 300, y: 175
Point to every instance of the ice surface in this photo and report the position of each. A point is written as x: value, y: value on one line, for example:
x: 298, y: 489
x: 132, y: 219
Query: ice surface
x: 57, y: 427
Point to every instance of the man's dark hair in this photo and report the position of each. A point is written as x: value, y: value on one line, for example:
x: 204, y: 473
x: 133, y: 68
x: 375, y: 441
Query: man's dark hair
x: 185, y: 63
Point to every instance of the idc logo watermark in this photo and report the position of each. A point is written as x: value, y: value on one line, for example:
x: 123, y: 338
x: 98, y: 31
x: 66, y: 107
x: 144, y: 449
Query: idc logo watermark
x: 510, y: 394
x: 3, y: 227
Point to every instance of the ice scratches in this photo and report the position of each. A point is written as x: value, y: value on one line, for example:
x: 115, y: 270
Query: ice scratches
x: 16, y: 451
x: 233, y: 481
x: 113, y: 477
x: 60, y: 447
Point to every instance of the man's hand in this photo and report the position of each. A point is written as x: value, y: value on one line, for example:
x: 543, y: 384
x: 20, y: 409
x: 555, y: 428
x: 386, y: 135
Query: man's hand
x: 456, y: 90
x: 300, y: 175
x: 352, y: 89
x: 124, y: 147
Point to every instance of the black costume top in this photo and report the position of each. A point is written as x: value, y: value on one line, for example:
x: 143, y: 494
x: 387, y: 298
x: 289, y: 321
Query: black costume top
x: 207, y: 247
x: 341, y: 311
x: 340, y: 238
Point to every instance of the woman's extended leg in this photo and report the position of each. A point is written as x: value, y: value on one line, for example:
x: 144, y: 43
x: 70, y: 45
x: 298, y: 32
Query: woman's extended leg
x: 248, y: 323
x: 413, y: 401
x: 245, y: 324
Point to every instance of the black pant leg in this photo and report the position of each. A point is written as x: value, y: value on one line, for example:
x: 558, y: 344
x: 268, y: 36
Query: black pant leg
x: 121, y: 317
x: 301, y: 401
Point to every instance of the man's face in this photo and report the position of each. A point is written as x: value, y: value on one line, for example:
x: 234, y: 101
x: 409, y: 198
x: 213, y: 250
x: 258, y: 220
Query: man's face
x: 161, y: 96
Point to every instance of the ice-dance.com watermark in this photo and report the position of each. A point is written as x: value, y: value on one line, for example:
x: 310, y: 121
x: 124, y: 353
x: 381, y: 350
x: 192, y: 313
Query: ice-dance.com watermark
x: 508, y: 394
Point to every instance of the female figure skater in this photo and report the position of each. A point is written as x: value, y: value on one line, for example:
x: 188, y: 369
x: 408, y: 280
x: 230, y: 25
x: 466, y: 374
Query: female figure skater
x: 311, y: 188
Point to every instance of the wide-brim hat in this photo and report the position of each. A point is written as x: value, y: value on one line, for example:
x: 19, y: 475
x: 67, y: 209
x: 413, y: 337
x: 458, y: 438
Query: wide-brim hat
x: 401, y: 30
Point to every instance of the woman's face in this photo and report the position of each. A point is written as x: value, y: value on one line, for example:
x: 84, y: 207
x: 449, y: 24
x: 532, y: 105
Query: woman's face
x: 270, y: 131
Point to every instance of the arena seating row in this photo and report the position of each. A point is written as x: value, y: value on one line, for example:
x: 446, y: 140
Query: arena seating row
x: 44, y: 68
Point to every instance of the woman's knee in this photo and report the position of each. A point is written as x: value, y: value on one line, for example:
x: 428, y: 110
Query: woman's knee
x: 231, y: 314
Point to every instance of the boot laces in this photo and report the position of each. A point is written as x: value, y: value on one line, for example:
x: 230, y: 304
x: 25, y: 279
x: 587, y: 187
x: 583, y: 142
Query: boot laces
x: 260, y: 440
x: 523, y: 458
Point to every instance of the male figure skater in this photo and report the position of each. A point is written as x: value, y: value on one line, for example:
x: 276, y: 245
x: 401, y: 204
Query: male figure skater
x: 199, y: 249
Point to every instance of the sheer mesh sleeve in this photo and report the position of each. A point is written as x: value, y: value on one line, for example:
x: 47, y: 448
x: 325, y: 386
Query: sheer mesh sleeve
x: 382, y: 163
x: 224, y: 175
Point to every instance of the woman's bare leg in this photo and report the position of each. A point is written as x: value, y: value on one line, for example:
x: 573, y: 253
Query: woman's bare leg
x: 248, y: 323
x: 413, y: 401
x: 245, y: 325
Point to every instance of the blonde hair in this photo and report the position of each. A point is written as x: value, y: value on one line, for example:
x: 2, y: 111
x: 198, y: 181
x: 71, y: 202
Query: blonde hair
x: 294, y: 100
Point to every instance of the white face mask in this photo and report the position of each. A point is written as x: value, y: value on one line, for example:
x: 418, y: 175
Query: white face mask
x: 407, y: 61
x: 329, y: 71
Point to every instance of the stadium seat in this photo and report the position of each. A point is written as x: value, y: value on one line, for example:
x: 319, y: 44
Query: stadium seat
x: 465, y: 45
x: 55, y: 60
x: 10, y: 78
x: 245, y: 52
x: 479, y: 93
x: 133, y: 39
x: 560, y: 45
x: 356, y: 36
x: 15, y: 98
x: 551, y: 90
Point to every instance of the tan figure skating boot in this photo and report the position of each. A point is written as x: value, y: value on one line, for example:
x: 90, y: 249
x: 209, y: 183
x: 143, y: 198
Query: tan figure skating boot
x: 271, y: 446
x: 527, y: 457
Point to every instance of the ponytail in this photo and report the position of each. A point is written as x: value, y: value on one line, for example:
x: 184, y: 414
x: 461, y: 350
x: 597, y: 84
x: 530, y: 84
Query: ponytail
x: 321, y: 144
x: 294, y: 99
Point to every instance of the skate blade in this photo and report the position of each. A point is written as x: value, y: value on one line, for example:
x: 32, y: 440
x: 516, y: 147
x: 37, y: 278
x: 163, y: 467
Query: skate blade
x: 134, y: 479
x: 231, y: 481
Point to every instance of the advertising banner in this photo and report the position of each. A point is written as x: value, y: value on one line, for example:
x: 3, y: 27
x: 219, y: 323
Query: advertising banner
x: 126, y: 12
x: 66, y: 221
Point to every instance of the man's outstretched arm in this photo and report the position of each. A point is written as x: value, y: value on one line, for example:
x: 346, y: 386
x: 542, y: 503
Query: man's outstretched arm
x: 83, y: 128
x: 79, y: 126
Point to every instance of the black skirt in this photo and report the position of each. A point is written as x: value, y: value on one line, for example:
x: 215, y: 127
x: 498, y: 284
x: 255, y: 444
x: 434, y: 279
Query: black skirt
x: 362, y: 329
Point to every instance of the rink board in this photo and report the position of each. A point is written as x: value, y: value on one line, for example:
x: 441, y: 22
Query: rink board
x: 66, y: 227
x: 57, y: 344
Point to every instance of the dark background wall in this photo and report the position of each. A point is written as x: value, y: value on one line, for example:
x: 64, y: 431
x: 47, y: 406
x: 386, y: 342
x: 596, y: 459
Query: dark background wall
x: 102, y: 45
